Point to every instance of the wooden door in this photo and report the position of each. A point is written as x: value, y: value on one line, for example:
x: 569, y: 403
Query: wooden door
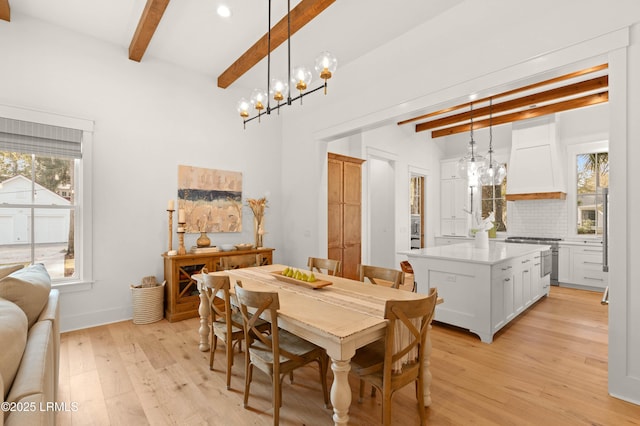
x: 345, y: 212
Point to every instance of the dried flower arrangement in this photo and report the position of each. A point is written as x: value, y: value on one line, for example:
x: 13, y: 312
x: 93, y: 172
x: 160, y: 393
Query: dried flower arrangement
x: 257, y: 206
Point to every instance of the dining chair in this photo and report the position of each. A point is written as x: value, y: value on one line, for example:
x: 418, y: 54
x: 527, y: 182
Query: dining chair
x: 378, y: 274
x: 407, y: 269
x: 324, y: 266
x: 226, y: 324
x: 240, y: 261
x: 264, y: 349
x: 397, y: 360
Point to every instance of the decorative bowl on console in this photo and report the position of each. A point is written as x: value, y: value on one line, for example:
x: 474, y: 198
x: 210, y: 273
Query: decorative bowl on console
x: 244, y: 246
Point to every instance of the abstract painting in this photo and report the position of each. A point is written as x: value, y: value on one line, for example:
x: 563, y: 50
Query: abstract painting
x: 212, y: 199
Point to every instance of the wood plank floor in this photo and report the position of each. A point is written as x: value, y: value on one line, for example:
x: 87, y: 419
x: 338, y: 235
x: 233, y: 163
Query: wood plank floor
x: 548, y: 367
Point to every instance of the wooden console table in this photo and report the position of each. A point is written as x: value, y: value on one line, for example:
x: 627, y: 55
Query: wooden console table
x: 182, y: 297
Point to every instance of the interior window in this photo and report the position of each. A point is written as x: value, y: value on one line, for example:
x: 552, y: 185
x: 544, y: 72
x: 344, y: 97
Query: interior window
x: 592, y: 175
x: 493, y: 200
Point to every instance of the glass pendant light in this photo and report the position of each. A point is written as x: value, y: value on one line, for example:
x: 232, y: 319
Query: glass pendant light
x: 491, y: 172
x: 326, y: 65
x: 469, y: 165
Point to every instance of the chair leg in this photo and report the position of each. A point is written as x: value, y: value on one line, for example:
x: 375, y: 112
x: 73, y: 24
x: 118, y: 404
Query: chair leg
x: 323, y: 379
x: 420, y: 398
x: 277, y: 399
x: 229, y: 347
x: 212, y: 351
x: 247, y: 383
x: 361, y: 392
x: 373, y: 391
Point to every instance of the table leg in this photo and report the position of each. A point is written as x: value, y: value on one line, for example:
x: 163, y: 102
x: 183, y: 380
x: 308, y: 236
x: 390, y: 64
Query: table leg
x: 427, y: 368
x: 340, y: 391
x: 205, y: 311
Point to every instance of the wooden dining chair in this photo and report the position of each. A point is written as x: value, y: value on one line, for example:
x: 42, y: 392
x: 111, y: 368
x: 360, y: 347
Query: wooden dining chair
x: 225, y: 323
x: 378, y: 274
x: 262, y: 349
x: 240, y: 261
x: 324, y: 266
x: 384, y: 363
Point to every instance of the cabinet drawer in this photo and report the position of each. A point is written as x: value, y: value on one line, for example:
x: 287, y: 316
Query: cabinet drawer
x: 587, y: 269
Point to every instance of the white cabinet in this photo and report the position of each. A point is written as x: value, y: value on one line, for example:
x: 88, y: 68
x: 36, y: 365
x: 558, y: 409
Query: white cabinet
x: 445, y: 241
x: 453, y: 201
x: 580, y: 264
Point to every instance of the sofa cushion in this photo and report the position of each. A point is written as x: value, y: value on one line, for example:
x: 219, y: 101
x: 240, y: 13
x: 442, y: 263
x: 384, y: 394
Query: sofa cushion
x: 8, y: 269
x: 28, y: 288
x: 13, y: 335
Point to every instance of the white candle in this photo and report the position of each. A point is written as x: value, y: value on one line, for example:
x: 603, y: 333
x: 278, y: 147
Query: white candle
x: 181, y: 216
x: 170, y: 205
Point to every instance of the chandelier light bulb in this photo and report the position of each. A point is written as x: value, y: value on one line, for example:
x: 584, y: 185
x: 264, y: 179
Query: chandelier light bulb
x: 301, y: 78
x: 278, y: 89
x: 243, y: 107
x: 258, y: 99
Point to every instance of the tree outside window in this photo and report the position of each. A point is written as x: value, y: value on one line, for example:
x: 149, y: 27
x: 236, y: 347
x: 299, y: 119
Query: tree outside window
x: 494, y: 200
x: 592, y: 174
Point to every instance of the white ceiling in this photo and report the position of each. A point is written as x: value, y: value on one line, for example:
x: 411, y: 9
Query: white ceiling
x: 193, y: 36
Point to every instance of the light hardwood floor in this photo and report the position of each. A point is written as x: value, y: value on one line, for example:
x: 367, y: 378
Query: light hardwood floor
x: 549, y: 367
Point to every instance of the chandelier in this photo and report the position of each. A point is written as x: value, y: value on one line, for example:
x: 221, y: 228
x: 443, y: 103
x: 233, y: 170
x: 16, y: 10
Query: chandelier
x: 469, y: 165
x: 279, y: 90
x: 491, y: 172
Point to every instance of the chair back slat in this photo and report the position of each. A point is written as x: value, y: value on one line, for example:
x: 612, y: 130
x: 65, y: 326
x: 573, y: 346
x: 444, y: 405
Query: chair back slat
x: 324, y: 266
x: 375, y: 274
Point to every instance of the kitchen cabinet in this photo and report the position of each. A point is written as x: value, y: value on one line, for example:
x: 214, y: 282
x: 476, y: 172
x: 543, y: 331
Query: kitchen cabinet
x: 483, y: 289
x: 444, y: 241
x: 454, y: 220
x: 580, y: 264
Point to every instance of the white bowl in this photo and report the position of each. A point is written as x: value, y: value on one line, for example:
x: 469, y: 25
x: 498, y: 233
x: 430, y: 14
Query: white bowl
x: 227, y: 247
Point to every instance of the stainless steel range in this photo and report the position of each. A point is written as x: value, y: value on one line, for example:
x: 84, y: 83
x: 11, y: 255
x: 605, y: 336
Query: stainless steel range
x: 549, y: 257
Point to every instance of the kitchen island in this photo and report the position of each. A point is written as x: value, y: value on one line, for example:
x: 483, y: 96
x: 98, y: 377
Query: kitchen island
x: 484, y: 289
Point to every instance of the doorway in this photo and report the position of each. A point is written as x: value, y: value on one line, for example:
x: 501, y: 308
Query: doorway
x: 417, y: 210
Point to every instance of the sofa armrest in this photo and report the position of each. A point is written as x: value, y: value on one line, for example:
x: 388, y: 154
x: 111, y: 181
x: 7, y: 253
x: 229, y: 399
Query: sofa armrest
x: 51, y: 312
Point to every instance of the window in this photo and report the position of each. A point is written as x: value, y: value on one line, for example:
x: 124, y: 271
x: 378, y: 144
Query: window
x: 592, y: 174
x: 42, y: 213
x: 493, y: 200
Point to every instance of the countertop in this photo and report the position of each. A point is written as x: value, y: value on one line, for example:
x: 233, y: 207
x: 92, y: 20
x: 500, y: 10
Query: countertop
x: 467, y: 252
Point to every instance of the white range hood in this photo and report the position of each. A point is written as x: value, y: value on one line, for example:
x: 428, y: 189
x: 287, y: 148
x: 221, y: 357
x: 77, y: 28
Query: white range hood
x: 536, y: 168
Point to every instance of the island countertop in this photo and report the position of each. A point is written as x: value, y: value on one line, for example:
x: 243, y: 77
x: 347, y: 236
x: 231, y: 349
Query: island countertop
x: 496, y: 253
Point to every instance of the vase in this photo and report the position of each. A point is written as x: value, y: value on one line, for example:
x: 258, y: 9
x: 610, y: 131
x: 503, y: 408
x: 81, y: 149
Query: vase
x: 203, y: 240
x: 257, y: 230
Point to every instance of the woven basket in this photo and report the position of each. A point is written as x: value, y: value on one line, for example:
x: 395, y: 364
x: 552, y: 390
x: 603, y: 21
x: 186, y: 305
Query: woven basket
x: 148, y: 303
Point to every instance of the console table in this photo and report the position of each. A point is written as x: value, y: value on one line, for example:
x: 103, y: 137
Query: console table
x: 182, y: 297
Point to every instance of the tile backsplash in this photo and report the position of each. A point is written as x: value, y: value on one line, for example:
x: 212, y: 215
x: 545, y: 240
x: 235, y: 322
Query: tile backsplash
x: 537, y: 218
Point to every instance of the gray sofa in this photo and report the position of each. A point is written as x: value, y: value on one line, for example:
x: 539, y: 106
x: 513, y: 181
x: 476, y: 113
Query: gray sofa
x: 29, y: 345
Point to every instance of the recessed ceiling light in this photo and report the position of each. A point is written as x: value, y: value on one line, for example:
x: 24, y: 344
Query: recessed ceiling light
x: 224, y: 11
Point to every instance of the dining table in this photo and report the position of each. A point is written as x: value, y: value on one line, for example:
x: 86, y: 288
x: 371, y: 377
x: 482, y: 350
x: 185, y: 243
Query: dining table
x: 340, y: 317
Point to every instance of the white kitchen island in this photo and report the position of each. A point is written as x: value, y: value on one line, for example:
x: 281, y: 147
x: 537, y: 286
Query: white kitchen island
x: 483, y: 289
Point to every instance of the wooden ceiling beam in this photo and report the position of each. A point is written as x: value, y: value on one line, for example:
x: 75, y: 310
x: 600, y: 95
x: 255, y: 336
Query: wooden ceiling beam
x: 5, y: 10
x: 301, y: 15
x: 595, y: 84
x: 149, y: 21
x: 581, y: 102
x: 510, y: 92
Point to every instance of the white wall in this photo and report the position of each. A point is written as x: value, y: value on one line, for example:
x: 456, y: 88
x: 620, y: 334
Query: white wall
x: 149, y: 118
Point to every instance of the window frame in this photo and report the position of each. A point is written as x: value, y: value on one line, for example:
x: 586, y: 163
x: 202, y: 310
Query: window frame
x: 572, y: 184
x: 83, y: 209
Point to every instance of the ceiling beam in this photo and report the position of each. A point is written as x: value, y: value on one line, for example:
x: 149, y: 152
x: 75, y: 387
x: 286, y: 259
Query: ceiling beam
x: 5, y: 10
x: 510, y: 92
x: 581, y: 102
x: 151, y: 16
x: 595, y: 84
x: 301, y: 15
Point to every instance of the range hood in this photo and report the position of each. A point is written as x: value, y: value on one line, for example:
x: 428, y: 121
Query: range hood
x: 536, y: 168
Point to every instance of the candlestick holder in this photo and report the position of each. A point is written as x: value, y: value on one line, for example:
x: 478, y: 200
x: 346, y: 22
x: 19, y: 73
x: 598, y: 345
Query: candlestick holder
x: 181, y: 230
x: 170, y: 211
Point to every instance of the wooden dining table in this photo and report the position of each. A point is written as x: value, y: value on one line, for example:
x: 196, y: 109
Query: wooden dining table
x: 340, y: 318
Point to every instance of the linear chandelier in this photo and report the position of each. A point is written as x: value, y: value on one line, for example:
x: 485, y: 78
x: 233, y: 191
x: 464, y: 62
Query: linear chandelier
x: 300, y: 78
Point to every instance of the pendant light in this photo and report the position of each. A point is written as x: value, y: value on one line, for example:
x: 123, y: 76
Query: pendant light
x: 299, y: 78
x: 469, y: 165
x: 491, y: 172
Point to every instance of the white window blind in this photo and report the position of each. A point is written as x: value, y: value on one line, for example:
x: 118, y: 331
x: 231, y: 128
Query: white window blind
x: 39, y: 139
